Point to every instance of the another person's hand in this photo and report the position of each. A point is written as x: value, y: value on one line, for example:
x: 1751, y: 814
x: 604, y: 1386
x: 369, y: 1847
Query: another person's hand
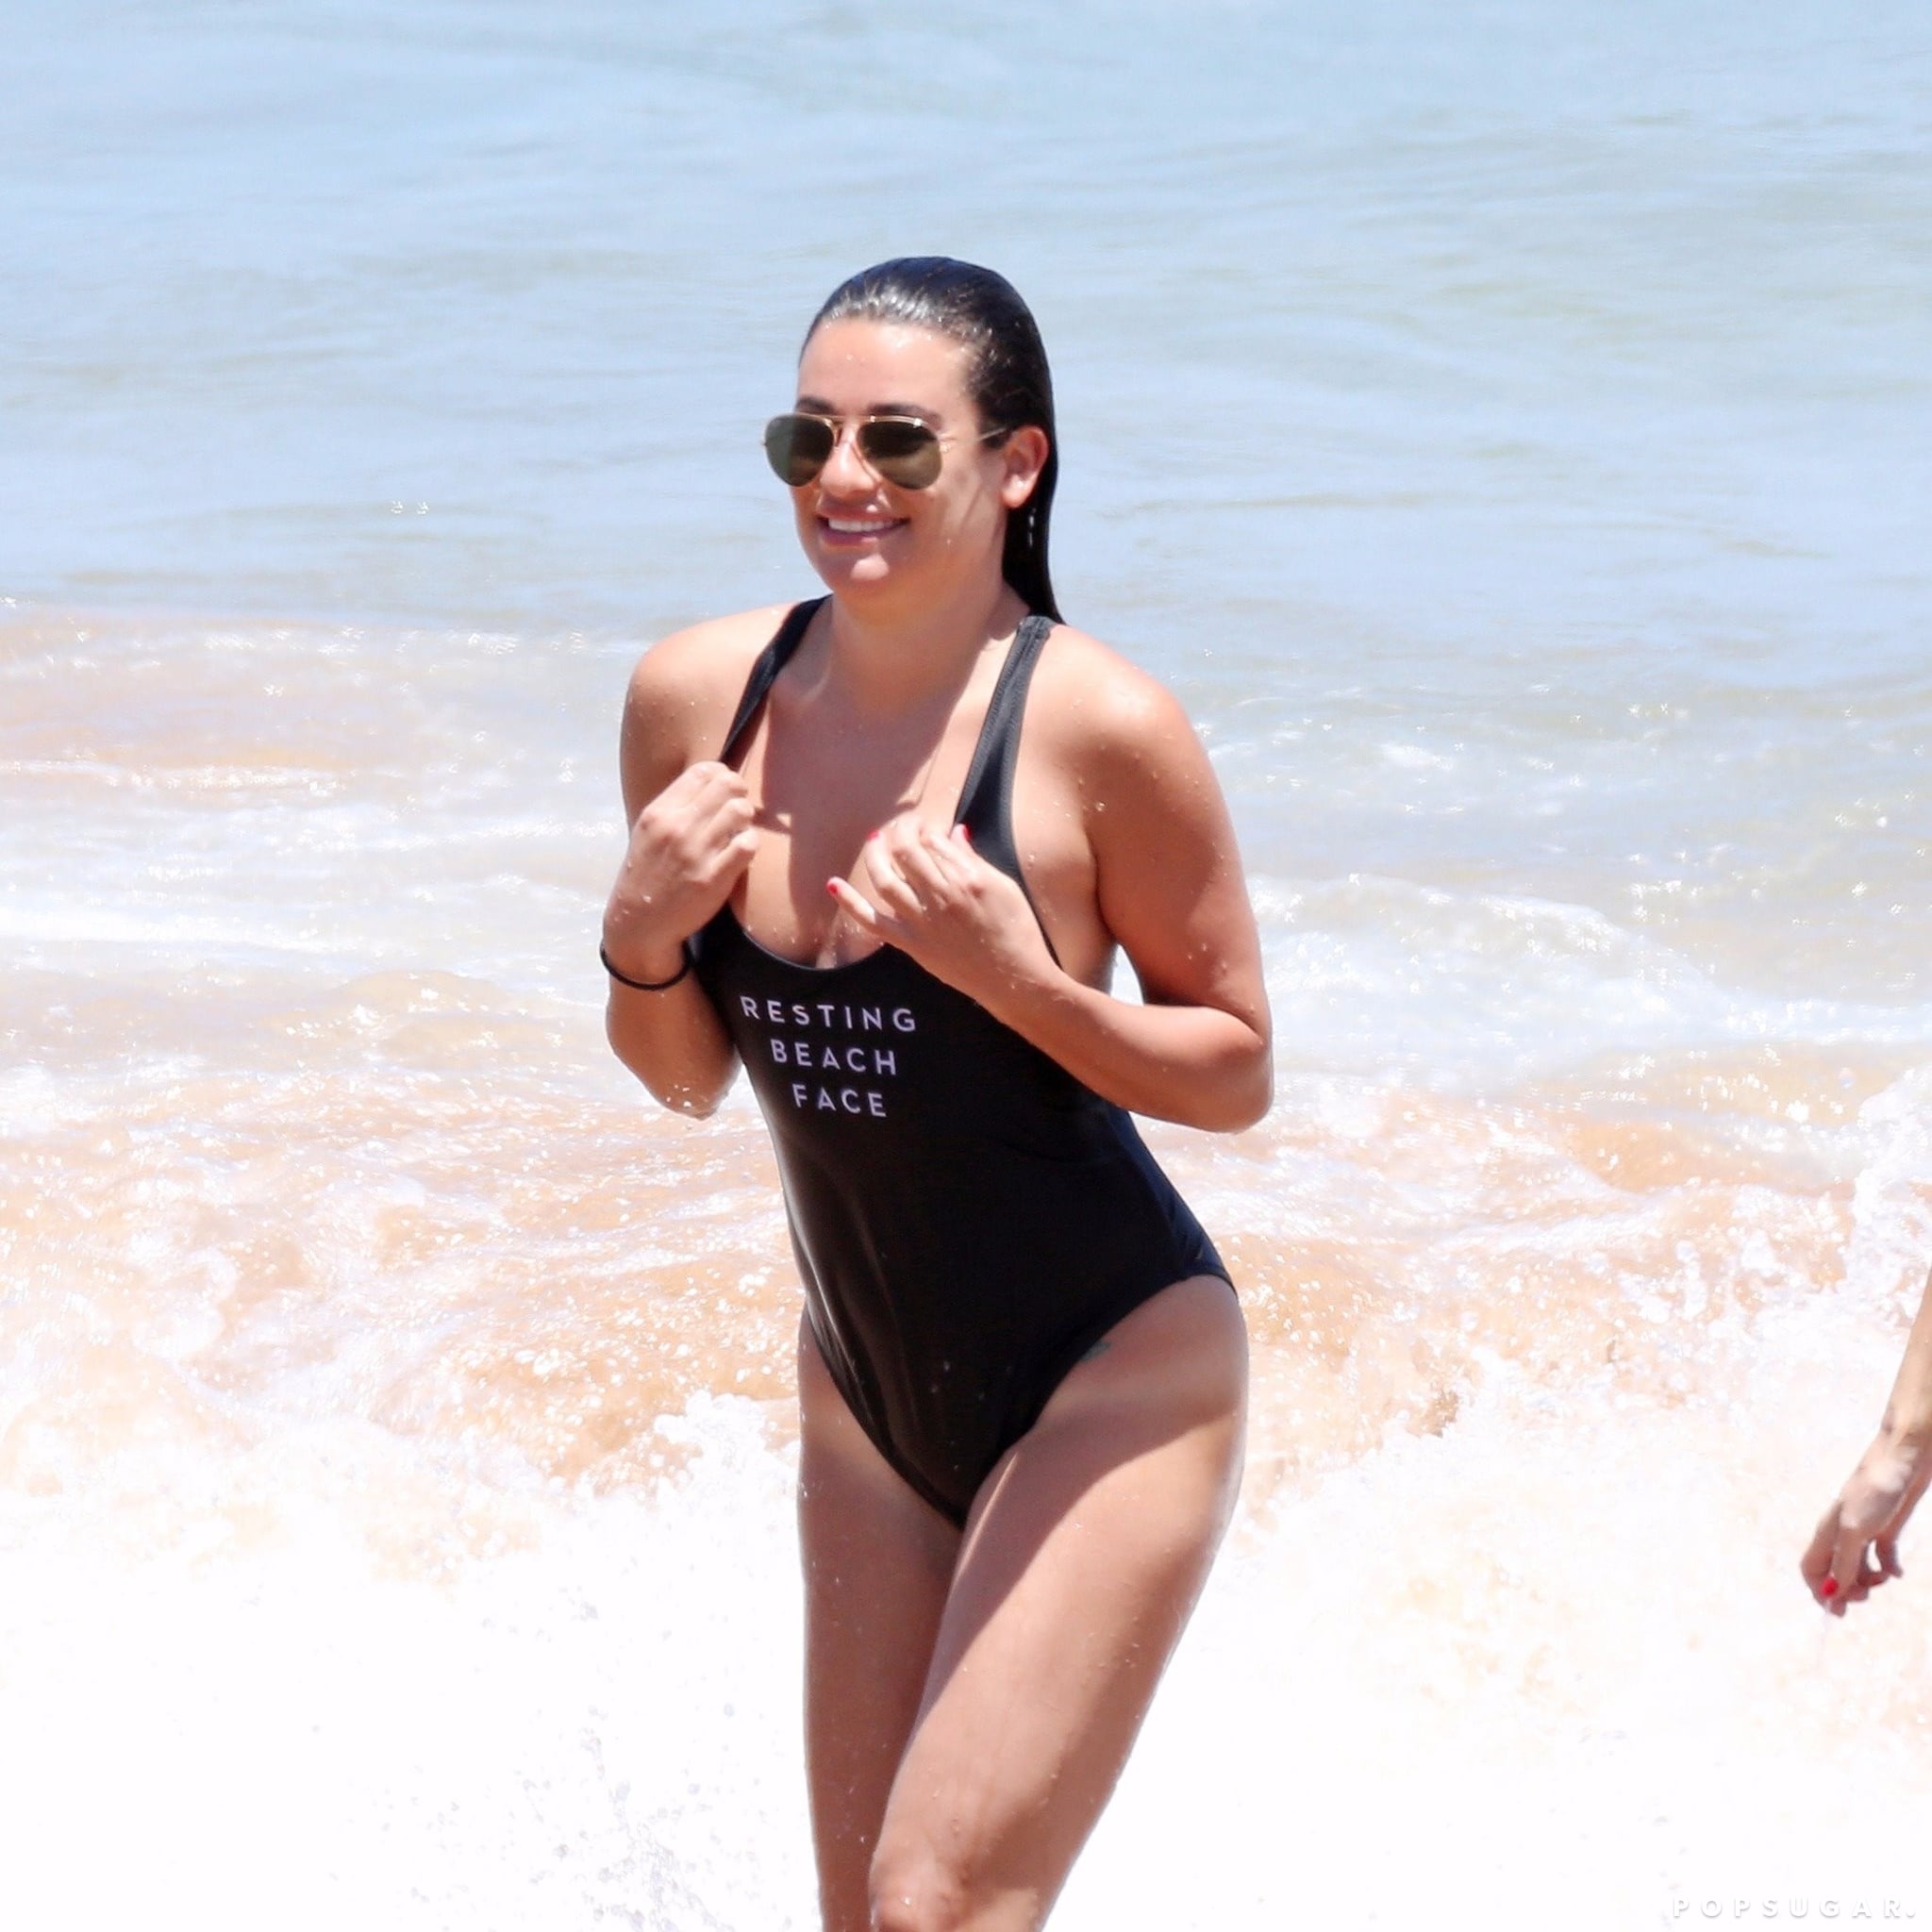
x: 931, y: 895
x: 1855, y: 1548
x: 688, y: 848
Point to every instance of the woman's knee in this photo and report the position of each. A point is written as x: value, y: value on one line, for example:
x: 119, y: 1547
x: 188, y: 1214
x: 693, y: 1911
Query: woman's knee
x: 911, y: 1891
x: 914, y: 1889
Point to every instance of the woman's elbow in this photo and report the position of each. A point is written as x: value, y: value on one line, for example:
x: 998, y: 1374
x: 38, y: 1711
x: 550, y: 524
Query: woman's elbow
x: 1242, y: 1097
x: 1251, y: 1098
x: 695, y: 1094
x: 1253, y: 1091
x: 693, y: 1106
x: 695, y: 1102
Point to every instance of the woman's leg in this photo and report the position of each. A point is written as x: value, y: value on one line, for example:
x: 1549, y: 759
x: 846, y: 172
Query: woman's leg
x: 1085, y: 1553
x: 877, y: 1563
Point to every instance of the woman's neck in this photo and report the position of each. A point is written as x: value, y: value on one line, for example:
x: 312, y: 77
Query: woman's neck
x: 884, y: 660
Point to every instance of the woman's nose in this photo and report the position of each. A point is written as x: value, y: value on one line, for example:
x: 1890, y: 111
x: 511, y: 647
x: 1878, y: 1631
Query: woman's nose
x: 845, y: 469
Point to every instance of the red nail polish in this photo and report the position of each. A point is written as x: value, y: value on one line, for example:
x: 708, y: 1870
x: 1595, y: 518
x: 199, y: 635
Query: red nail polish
x: 966, y: 833
x: 832, y: 887
x: 874, y: 833
x: 1829, y: 1587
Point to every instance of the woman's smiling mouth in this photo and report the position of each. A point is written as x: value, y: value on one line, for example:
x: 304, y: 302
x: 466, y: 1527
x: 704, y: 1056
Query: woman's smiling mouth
x: 859, y: 527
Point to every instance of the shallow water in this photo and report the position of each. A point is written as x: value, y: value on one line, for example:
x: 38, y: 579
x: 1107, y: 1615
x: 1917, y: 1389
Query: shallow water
x: 1508, y: 432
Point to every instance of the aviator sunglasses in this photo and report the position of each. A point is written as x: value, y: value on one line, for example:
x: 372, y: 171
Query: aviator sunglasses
x: 901, y: 450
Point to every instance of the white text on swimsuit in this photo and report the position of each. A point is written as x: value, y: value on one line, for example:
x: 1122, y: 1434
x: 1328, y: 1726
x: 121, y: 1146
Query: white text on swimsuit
x: 860, y: 1050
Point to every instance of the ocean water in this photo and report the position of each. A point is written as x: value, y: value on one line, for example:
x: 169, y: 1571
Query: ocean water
x: 1508, y: 428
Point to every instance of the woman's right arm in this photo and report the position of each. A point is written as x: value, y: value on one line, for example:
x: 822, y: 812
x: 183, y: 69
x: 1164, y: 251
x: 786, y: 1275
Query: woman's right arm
x: 1890, y: 1477
x: 690, y: 838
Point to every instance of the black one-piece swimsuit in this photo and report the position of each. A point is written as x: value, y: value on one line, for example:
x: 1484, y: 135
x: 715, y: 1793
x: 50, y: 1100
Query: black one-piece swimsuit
x: 968, y: 1218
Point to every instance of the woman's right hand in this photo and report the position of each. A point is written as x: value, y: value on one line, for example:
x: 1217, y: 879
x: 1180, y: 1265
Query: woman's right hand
x: 688, y: 846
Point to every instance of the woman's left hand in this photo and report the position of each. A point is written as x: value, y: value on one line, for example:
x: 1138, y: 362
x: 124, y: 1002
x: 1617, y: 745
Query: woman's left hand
x: 936, y: 899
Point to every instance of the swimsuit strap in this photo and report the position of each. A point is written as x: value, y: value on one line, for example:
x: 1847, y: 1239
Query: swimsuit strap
x: 770, y: 661
x: 986, y: 797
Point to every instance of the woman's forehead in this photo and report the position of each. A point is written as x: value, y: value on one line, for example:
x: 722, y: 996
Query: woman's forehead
x: 856, y: 364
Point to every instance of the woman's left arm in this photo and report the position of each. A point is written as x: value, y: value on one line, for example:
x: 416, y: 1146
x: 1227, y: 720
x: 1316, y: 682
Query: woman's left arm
x: 1169, y: 889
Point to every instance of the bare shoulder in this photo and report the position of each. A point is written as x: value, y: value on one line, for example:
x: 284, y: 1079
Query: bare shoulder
x: 686, y: 686
x: 681, y: 698
x: 1102, y: 714
x: 1166, y: 868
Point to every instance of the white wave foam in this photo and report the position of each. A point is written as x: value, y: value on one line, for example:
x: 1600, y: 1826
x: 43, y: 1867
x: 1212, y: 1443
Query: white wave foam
x: 1553, y: 1667
x: 1372, y: 975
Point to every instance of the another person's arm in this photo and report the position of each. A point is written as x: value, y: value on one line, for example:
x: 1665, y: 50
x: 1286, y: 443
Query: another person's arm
x: 1856, y: 1546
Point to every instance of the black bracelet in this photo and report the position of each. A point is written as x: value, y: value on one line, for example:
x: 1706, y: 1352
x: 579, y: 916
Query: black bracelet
x: 646, y: 985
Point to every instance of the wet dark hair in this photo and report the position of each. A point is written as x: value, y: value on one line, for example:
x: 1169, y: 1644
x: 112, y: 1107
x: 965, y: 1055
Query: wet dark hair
x: 1005, y: 375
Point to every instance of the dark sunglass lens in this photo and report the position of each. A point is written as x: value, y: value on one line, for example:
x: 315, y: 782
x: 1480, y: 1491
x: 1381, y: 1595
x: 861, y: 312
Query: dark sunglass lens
x: 798, y: 447
x: 903, y: 451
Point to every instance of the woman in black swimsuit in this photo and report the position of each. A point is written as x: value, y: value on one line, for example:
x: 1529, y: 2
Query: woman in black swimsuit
x: 883, y: 848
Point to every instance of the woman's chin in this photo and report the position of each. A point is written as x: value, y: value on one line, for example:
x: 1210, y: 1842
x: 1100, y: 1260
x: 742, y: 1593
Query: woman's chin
x: 855, y: 573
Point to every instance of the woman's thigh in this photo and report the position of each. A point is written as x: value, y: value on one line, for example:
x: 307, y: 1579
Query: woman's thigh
x: 877, y: 1562
x: 1084, y: 1555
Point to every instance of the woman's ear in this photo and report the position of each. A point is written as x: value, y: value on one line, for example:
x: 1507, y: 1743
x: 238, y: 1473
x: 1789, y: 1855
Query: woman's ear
x: 1026, y: 452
